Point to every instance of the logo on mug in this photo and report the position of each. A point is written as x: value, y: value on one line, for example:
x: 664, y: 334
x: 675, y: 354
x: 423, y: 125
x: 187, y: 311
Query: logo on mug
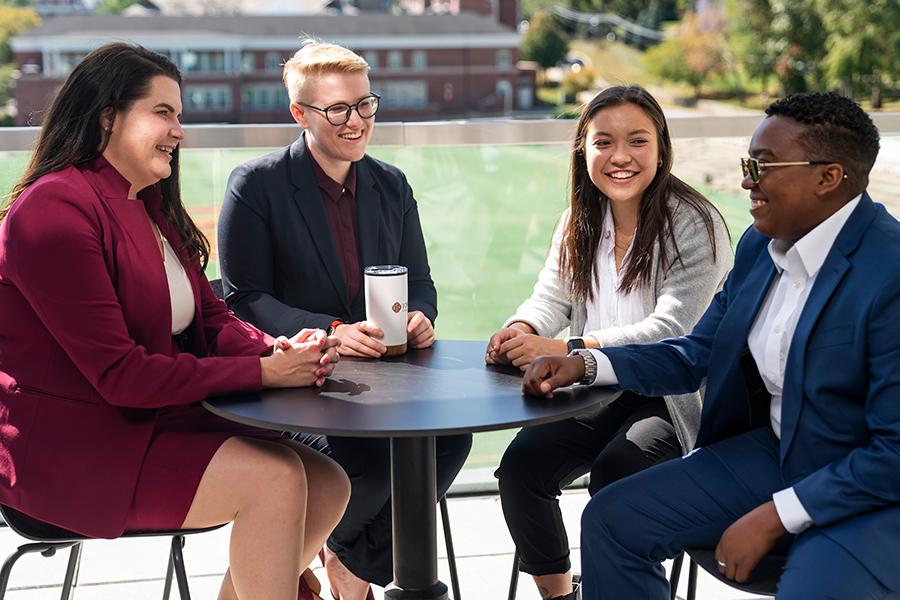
x: 396, y: 307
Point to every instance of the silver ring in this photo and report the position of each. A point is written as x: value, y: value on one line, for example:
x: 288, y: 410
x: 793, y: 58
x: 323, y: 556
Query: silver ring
x: 721, y: 564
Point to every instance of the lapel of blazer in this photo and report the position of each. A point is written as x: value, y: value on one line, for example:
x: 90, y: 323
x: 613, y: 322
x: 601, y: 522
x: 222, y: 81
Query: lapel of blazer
x: 830, y: 275
x: 723, y: 414
x: 368, y: 215
x: 312, y: 208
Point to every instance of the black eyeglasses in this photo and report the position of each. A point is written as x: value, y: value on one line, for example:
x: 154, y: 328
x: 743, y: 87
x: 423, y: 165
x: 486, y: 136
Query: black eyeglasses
x: 338, y: 114
x: 755, y: 167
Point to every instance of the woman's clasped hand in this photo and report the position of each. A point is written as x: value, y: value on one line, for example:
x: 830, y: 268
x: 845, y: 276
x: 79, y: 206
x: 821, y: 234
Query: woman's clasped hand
x: 304, y: 359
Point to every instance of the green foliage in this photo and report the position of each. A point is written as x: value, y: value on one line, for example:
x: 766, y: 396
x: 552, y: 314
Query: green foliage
x: 690, y: 57
x: 576, y: 81
x: 863, y: 46
x: 13, y: 21
x: 113, y: 6
x: 544, y: 42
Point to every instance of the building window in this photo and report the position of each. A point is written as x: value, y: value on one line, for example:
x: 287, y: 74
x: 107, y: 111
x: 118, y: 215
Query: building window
x: 503, y: 59
x: 208, y: 98
x: 273, y: 62
x: 264, y: 97
x: 371, y: 57
x: 403, y: 94
x: 419, y: 60
x: 67, y: 61
x: 248, y: 62
x: 395, y: 59
x: 203, y: 62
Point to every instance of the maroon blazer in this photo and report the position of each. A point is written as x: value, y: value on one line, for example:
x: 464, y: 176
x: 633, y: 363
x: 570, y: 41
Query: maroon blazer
x: 87, y: 357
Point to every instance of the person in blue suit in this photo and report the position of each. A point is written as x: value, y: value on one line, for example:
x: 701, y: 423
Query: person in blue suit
x: 799, y: 441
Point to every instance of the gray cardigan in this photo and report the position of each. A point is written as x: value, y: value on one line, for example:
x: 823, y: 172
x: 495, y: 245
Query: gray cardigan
x: 673, y: 301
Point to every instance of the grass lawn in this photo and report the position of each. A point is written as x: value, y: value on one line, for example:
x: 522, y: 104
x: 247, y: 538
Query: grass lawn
x: 488, y: 213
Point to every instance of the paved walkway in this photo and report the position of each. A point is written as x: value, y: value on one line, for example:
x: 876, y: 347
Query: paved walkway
x: 134, y: 569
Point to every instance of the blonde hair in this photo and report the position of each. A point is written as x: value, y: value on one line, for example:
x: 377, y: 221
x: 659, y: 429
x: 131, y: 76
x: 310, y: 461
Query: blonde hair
x: 315, y: 58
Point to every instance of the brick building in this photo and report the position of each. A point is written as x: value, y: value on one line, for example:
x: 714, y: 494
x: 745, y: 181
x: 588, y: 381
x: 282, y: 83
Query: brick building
x: 424, y: 66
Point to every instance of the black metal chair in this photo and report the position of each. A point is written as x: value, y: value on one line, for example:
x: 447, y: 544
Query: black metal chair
x: 218, y: 290
x: 48, y: 539
x: 763, y: 582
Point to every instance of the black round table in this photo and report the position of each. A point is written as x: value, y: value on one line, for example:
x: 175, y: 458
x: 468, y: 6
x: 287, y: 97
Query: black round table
x: 445, y: 389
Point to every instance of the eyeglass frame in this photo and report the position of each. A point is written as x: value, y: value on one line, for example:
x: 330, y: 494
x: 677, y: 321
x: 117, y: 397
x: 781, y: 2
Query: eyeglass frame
x: 350, y: 108
x: 762, y: 165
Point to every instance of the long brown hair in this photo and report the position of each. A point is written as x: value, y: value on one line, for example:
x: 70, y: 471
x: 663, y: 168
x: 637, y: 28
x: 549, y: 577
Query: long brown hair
x: 581, y: 236
x: 112, y: 77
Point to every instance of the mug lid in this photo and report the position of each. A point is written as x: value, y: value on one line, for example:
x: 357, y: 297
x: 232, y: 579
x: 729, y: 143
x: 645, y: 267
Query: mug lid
x: 385, y: 270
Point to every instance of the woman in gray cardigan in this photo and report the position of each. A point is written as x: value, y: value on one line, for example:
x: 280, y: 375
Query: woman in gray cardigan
x: 636, y: 258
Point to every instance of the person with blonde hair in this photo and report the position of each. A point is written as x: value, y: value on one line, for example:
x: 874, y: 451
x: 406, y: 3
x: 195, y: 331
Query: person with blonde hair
x: 296, y: 229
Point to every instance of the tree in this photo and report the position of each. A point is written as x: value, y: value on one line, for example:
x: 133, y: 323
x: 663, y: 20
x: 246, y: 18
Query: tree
x: 689, y: 57
x: 544, y: 42
x: 13, y: 21
x: 863, y: 46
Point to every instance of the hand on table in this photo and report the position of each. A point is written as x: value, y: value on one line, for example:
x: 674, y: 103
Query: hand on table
x: 305, y: 359
x: 547, y: 373
x: 492, y: 354
x: 360, y: 339
x: 419, y: 330
x: 522, y: 348
x: 747, y: 541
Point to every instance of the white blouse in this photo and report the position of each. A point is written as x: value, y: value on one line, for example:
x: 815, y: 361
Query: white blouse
x: 181, y: 296
x: 608, y: 307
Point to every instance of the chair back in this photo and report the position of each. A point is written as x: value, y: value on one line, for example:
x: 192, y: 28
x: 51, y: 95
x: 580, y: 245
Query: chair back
x: 217, y: 288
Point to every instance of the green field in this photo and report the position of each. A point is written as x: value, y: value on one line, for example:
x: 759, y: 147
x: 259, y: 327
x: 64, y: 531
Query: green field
x: 487, y: 212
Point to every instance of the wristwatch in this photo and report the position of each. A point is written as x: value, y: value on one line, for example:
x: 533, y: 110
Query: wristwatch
x: 573, y: 342
x: 590, y: 365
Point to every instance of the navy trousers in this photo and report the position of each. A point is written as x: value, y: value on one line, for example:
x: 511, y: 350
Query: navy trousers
x: 631, y: 526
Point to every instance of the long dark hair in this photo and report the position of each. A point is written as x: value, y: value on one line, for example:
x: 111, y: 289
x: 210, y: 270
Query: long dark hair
x: 111, y: 77
x: 581, y: 236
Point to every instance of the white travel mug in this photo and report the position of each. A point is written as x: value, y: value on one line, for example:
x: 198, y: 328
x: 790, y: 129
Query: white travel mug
x: 386, y: 304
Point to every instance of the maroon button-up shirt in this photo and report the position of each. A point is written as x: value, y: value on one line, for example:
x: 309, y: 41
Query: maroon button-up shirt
x: 340, y: 204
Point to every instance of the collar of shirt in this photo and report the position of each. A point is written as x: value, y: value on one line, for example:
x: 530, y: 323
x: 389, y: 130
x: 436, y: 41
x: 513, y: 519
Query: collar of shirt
x: 812, y: 248
x: 331, y: 188
x: 608, y: 239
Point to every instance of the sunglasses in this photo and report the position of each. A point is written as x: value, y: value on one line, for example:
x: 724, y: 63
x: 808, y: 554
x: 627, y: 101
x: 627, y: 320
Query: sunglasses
x: 338, y: 114
x: 754, y: 168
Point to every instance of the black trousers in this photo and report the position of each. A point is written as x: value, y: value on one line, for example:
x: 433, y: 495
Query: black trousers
x: 362, y: 540
x: 629, y: 435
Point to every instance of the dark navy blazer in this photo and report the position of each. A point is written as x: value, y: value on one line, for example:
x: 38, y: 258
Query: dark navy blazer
x: 840, y: 424
x: 280, y: 266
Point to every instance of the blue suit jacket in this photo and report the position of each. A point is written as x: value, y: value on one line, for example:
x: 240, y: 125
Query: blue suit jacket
x: 840, y: 425
x: 280, y: 266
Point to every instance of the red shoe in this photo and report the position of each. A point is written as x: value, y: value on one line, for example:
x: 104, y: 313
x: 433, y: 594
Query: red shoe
x: 310, y: 587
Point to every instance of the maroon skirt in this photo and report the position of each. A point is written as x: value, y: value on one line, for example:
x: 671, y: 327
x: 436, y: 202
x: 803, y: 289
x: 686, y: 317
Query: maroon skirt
x: 184, y: 441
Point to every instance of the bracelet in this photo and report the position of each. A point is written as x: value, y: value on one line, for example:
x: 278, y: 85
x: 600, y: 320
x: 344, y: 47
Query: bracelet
x: 334, y: 325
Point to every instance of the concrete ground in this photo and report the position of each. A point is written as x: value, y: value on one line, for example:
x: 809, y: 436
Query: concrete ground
x: 134, y: 569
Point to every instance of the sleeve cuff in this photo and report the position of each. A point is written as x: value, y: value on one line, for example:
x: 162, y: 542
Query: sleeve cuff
x: 605, y: 373
x: 791, y: 512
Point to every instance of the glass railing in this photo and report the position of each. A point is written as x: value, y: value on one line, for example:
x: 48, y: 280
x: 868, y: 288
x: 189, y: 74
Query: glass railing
x: 489, y: 196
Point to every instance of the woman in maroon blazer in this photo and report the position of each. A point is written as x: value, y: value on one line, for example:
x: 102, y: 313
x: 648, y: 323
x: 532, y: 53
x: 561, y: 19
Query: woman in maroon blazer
x: 110, y: 335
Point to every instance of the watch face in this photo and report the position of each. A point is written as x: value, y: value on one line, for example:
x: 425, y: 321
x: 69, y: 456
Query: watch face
x: 574, y: 343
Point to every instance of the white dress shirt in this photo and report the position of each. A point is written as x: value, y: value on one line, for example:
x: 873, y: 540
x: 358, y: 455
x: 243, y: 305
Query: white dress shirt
x: 770, y: 336
x: 181, y: 296
x: 609, y: 307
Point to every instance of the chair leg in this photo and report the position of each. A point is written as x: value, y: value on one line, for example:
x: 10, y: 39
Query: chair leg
x: 514, y: 577
x: 178, y: 565
x: 72, y: 570
x: 451, y: 555
x: 170, y: 569
x: 675, y: 577
x: 45, y: 548
x: 692, y: 581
